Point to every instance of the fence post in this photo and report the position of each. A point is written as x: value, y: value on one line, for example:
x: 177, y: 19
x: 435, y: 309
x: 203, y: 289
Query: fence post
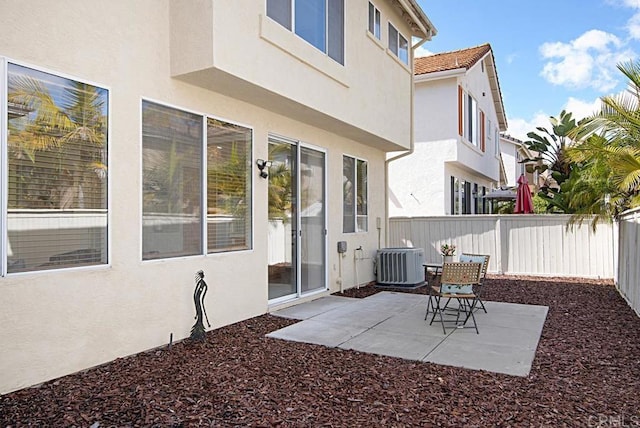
x: 498, y: 246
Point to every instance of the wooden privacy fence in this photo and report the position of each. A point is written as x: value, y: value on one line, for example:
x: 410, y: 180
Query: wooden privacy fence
x: 529, y: 244
x: 628, y: 281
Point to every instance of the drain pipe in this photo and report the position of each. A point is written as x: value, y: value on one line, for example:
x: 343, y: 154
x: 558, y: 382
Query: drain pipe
x: 411, y: 143
x: 355, y: 265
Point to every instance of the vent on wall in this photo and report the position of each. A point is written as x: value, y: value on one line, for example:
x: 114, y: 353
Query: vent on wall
x: 400, y: 266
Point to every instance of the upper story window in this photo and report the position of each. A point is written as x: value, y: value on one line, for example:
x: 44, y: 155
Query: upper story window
x: 374, y: 21
x: 56, y: 172
x: 398, y: 44
x: 174, y: 154
x: 354, y: 191
x: 319, y: 22
x: 471, y: 120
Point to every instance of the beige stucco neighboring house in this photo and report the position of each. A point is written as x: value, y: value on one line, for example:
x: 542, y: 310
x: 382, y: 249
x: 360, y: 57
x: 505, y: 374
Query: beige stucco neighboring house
x: 144, y: 141
x: 458, y: 116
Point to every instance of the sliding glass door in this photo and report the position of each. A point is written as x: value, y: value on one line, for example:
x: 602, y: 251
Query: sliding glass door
x: 297, y: 219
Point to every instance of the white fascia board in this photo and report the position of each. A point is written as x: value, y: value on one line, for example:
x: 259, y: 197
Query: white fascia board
x: 436, y: 75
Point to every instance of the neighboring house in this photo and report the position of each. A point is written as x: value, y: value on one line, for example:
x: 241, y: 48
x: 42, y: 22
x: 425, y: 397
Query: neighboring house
x: 457, y: 119
x: 145, y: 141
x: 514, y: 153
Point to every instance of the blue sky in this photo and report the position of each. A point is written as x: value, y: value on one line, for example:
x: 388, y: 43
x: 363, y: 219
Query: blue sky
x: 550, y: 54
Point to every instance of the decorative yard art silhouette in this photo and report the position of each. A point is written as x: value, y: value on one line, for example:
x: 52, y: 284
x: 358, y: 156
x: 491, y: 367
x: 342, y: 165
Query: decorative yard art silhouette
x: 197, y: 331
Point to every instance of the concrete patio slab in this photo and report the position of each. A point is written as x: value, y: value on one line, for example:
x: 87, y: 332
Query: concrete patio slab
x: 392, y: 324
x: 313, y: 308
x: 401, y: 345
x: 511, y: 360
x: 318, y: 332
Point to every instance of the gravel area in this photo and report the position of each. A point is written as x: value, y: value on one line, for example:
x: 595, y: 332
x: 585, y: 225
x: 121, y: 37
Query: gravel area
x: 586, y: 373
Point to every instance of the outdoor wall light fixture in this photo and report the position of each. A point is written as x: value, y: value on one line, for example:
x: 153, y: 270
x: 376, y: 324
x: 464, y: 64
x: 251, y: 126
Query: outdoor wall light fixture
x: 262, y: 164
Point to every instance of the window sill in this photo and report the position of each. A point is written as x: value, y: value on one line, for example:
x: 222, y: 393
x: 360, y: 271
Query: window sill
x: 374, y: 39
x: 301, y: 50
x: 471, y: 145
x: 397, y: 60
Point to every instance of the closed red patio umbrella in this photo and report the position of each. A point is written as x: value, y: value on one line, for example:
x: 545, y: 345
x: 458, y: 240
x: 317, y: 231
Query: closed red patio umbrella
x: 524, y: 203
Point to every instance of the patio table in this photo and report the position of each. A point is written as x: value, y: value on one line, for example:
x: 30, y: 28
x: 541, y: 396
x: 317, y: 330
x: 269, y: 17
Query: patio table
x: 434, y: 266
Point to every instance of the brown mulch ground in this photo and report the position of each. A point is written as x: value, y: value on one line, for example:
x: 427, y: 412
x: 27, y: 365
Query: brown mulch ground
x: 586, y: 373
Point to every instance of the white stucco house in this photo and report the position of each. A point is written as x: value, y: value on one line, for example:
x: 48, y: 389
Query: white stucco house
x: 458, y: 116
x: 144, y: 141
x: 514, y: 153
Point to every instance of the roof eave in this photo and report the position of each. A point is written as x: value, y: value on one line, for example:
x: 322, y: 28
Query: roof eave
x: 435, y: 75
x: 424, y: 26
x: 494, y: 83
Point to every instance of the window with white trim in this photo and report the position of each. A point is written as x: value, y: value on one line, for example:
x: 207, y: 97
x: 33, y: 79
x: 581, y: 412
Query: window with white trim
x: 471, y: 120
x: 354, y: 192
x: 319, y: 22
x: 56, y: 176
x: 175, y: 152
x: 374, y: 21
x: 461, y: 196
x: 398, y: 44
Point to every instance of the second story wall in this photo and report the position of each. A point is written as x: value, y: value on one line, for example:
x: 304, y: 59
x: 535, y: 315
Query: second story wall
x: 364, y: 94
x: 436, y: 110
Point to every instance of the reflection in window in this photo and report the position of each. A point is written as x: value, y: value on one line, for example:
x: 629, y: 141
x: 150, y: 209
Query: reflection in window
x: 319, y: 22
x: 398, y: 44
x: 228, y: 186
x: 310, y: 18
x: 57, y: 172
x: 354, y: 190
x: 172, y: 193
x: 374, y: 21
x: 455, y: 196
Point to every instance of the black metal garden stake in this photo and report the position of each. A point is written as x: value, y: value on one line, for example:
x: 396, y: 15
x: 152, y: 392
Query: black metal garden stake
x: 197, y: 331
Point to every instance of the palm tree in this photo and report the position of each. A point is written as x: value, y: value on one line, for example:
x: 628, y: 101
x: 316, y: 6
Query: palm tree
x: 609, y: 145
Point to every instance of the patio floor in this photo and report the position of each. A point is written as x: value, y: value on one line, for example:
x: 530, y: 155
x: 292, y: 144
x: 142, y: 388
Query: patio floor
x: 392, y: 324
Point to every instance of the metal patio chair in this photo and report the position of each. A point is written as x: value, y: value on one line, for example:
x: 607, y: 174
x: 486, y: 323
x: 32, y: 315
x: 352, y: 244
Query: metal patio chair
x: 457, y: 281
x: 478, y: 258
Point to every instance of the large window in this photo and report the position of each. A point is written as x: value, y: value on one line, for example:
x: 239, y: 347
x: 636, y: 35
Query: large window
x: 228, y: 186
x: 56, y: 175
x: 319, y: 22
x: 398, y: 44
x: 354, y: 188
x: 374, y: 21
x: 173, y: 145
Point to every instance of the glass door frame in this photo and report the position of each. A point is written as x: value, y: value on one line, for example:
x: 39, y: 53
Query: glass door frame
x: 297, y: 257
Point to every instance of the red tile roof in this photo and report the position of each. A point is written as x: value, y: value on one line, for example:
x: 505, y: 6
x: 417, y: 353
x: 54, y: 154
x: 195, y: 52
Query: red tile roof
x: 463, y: 58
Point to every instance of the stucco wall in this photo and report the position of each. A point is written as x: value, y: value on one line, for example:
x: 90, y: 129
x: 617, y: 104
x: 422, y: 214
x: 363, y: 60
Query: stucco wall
x: 57, y: 322
x: 258, y: 51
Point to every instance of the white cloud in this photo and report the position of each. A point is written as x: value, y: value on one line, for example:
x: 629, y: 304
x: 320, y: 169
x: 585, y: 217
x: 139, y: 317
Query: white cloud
x: 587, y: 61
x: 633, y: 26
x: 581, y: 109
x: 632, y: 3
x: 519, y: 128
x: 422, y: 51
